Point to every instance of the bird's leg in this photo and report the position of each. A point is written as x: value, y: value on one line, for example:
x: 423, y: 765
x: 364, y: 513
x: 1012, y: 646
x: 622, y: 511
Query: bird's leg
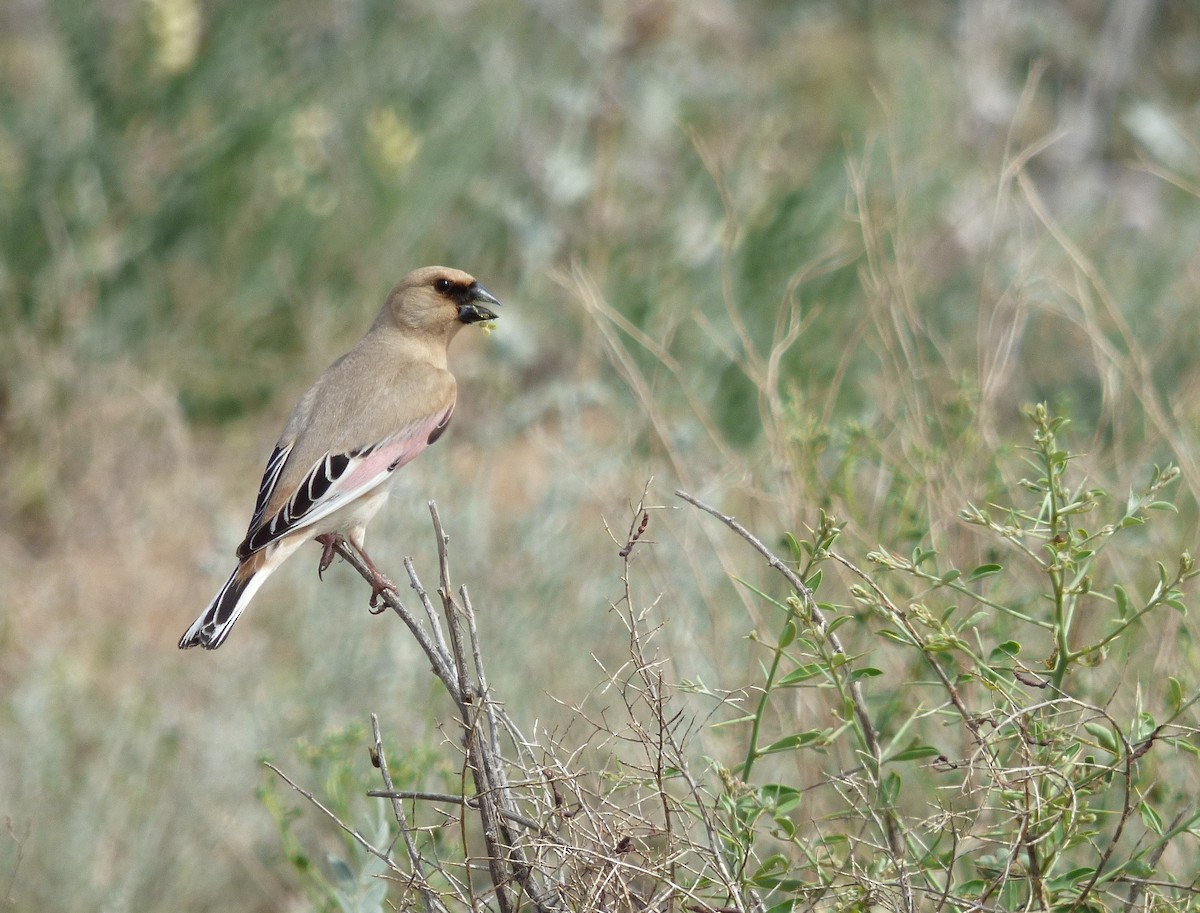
x: 379, y: 583
x: 329, y: 543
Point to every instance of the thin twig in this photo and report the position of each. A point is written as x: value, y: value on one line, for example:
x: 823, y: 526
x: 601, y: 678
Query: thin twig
x: 652, y: 682
x: 464, y: 801
x: 1139, y: 885
x: 355, y: 835
x: 481, y: 677
x: 870, y: 736
x: 20, y: 854
x: 437, y: 658
x: 435, y: 624
x: 432, y: 903
x: 506, y: 859
x: 476, y: 760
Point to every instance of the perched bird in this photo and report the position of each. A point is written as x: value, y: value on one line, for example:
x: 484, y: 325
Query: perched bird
x: 372, y: 411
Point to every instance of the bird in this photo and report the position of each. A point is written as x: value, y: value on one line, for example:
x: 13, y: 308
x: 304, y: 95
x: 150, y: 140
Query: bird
x: 371, y: 412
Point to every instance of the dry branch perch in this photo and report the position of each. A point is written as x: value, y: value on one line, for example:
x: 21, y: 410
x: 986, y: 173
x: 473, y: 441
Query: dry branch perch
x: 433, y: 646
x: 457, y: 662
x: 613, y: 846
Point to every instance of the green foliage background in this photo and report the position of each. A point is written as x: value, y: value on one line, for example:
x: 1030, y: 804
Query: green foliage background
x: 203, y: 203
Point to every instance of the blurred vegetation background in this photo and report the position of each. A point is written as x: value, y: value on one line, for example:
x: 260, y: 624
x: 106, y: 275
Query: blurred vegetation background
x: 965, y: 206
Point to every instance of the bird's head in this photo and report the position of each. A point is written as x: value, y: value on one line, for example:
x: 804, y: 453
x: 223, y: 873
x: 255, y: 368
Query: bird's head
x: 438, y: 301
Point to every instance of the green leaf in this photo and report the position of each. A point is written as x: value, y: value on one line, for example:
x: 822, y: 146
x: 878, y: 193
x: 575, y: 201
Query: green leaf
x: 1185, y: 746
x: 1103, y: 735
x: 793, y: 547
x: 973, y: 619
x: 1174, y: 693
x: 914, y: 752
x: 814, y: 580
x: 1137, y: 868
x: 788, y: 634
x: 770, y: 870
x: 791, y: 742
x: 801, y: 674
x: 1143, y: 728
x: 1151, y: 818
x: 1162, y: 505
x: 1122, y: 600
x: 1004, y: 651
x: 836, y: 623
x: 891, y: 788
x: 984, y: 570
x: 757, y: 592
x: 1070, y: 879
x: 921, y: 555
x: 783, y: 798
x: 951, y: 575
x: 785, y: 824
x: 972, y: 888
x: 866, y: 672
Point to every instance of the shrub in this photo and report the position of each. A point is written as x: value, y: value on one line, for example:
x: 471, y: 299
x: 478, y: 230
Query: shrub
x: 980, y: 742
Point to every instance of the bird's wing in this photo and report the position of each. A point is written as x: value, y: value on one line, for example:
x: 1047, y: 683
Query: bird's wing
x: 270, y: 479
x: 333, y: 481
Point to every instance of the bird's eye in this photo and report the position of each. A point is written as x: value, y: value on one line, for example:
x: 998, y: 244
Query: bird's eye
x: 442, y: 286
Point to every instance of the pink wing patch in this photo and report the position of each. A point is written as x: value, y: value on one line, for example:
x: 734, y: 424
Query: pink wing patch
x: 385, y: 459
x: 336, y: 480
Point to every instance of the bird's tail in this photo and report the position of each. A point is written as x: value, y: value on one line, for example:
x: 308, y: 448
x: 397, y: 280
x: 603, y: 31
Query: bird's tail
x: 216, y: 621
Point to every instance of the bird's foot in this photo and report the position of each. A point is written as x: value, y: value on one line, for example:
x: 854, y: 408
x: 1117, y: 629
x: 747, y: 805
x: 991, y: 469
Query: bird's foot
x: 379, y: 586
x: 379, y: 583
x: 329, y: 543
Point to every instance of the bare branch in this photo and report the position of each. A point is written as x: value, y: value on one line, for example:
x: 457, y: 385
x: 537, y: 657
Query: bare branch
x: 432, y: 903
x: 354, y: 834
x: 452, y: 799
x: 439, y: 660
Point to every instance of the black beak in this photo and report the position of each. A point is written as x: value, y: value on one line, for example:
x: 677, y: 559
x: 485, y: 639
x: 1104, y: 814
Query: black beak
x: 472, y: 306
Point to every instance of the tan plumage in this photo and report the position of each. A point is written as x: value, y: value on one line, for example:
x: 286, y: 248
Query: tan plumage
x: 372, y: 411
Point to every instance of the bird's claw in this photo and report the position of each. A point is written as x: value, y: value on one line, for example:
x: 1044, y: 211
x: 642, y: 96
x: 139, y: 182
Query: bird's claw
x: 379, y: 586
x: 329, y: 543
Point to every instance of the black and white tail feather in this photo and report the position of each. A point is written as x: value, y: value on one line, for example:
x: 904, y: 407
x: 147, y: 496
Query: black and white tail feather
x: 216, y: 621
